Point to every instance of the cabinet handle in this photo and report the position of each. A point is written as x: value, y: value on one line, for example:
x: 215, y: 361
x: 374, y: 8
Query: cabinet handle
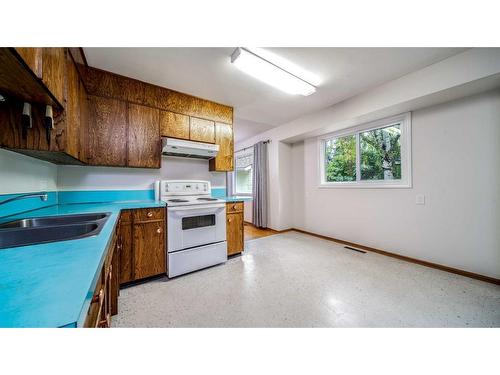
x: 106, y: 322
x: 229, y: 220
x: 98, y: 297
x: 150, y: 214
x: 158, y: 230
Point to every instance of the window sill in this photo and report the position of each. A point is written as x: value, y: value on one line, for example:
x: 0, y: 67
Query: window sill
x: 364, y: 185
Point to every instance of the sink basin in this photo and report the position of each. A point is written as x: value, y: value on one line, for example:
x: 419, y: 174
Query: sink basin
x: 37, y: 230
x: 53, y: 220
x: 31, y: 236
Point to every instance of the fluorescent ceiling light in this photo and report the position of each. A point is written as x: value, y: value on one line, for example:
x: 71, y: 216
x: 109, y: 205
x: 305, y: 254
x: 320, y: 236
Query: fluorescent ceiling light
x: 270, y: 73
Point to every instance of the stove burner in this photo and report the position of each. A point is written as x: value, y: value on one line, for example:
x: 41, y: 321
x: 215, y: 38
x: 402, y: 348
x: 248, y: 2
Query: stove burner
x: 207, y: 199
x: 177, y: 200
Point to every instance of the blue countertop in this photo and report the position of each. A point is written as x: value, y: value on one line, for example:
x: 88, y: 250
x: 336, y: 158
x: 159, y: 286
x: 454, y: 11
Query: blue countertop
x: 51, y: 285
x: 237, y: 198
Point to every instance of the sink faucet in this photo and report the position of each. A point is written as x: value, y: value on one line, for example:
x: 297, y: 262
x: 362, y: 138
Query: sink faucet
x: 43, y: 196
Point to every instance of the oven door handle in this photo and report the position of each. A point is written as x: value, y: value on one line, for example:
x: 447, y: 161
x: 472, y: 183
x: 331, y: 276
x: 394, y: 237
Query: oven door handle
x: 196, y: 207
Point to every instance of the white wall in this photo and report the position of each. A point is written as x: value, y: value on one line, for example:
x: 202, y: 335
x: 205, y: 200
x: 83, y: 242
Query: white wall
x: 473, y: 71
x: 23, y: 174
x: 456, y: 165
x: 106, y: 178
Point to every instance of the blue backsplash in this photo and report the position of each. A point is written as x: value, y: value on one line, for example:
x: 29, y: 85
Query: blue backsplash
x: 218, y: 192
x: 94, y: 196
x: 27, y: 204
x: 82, y: 196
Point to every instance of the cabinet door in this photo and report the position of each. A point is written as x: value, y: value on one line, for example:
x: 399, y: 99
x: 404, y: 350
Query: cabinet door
x: 201, y: 130
x: 126, y: 250
x: 174, y: 125
x: 115, y: 276
x: 53, y: 71
x: 224, y: 160
x: 33, y: 58
x: 84, y: 123
x: 144, y: 142
x: 149, y: 249
x: 234, y: 233
x: 108, y: 132
x: 72, y: 135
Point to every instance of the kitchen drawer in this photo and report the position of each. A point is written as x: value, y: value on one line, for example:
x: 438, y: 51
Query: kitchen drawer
x: 149, y: 214
x: 234, y: 207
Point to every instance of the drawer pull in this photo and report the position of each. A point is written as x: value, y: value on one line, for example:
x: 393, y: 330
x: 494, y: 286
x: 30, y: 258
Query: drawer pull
x: 158, y: 230
x: 150, y: 214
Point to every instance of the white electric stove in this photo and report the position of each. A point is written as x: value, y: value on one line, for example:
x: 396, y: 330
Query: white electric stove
x: 196, y: 225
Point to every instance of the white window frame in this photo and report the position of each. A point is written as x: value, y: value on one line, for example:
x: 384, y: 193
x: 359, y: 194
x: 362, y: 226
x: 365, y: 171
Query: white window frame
x: 236, y: 154
x: 406, y: 167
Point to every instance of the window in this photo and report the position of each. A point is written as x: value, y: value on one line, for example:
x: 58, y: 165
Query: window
x: 377, y: 154
x: 243, y: 173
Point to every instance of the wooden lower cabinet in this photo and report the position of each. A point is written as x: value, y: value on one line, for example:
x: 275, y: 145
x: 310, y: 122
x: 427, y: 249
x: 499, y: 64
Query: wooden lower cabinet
x: 149, y: 249
x: 104, y: 302
x: 142, y: 253
x: 234, y: 228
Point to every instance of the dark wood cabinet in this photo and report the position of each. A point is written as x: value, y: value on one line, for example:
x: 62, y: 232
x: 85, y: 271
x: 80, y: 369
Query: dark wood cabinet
x: 32, y: 57
x: 107, y: 132
x: 174, y: 125
x: 149, y: 249
x: 224, y: 161
x: 144, y: 142
x: 234, y: 228
x: 76, y: 135
x: 126, y: 255
x: 83, y: 134
x: 101, y: 118
x: 54, y: 71
x: 104, y: 302
x: 143, y: 251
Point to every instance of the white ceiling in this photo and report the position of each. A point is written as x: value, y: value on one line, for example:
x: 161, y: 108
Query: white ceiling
x: 208, y: 73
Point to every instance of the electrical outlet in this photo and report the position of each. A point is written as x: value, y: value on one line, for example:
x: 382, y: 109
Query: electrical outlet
x: 420, y: 199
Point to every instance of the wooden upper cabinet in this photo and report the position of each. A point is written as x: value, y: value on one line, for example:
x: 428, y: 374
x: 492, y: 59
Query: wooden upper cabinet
x: 83, y: 100
x: 73, y: 115
x: 201, y: 130
x: 144, y: 142
x: 33, y: 58
x: 107, y: 132
x: 224, y: 161
x: 53, y: 71
x: 174, y: 125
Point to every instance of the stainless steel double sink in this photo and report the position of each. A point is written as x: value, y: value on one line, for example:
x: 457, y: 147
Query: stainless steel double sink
x: 44, y: 229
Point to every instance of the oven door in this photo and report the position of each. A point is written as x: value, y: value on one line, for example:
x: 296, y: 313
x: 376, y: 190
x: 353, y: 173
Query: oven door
x: 197, y: 225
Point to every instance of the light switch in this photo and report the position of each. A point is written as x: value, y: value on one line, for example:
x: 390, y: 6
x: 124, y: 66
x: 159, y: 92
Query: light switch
x: 420, y: 199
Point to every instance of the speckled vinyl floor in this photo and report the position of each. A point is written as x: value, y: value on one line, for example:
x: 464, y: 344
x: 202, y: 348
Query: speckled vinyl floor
x: 295, y: 280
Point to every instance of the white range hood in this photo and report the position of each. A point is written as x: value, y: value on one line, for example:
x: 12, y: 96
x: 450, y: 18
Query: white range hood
x: 189, y: 149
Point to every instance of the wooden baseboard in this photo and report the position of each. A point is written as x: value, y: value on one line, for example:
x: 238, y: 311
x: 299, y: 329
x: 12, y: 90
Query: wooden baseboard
x: 267, y: 229
x: 457, y: 271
